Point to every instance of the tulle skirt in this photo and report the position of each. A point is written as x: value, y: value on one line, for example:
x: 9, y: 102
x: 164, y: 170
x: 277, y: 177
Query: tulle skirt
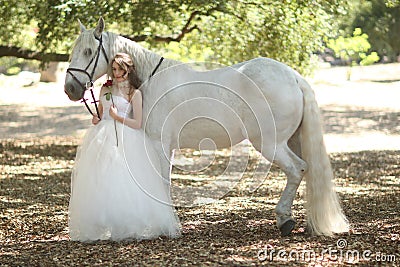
x: 116, y: 191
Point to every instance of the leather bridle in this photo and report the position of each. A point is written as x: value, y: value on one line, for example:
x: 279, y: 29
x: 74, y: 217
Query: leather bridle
x: 89, y: 85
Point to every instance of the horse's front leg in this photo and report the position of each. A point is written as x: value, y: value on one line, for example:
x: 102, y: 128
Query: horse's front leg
x: 165, y: 155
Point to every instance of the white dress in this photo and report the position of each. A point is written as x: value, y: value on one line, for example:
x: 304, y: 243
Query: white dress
x: 116, y: 191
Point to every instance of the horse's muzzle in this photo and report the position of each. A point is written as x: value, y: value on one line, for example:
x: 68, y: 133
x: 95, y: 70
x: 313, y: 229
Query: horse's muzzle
x: 74, y: 90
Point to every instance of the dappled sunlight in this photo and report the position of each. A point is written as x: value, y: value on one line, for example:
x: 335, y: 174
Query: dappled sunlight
x: 351, y: 120
x: 17, y: 121
x: 350, y: 129
x: 233, y: 229
x: 10, y: 200
x: 206, y: 176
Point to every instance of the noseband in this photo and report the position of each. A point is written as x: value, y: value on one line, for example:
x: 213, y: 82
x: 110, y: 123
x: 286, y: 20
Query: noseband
x: 89, y: 84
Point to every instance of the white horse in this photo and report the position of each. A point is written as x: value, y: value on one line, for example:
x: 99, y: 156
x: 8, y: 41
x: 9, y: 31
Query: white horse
x: 261, y: 100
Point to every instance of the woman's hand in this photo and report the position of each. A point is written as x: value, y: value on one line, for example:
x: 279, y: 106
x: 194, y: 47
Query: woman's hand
x: 95, y: 119
x: 113, y: 112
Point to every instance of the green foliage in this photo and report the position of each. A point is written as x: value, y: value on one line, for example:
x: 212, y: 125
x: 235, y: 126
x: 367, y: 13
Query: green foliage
x: 392, y: 3
x: 221, y: 31
x: 380, y: 20
x: 369, y: 59
x: 353, y: 48
x: 14, y: 20
x: 13, y: 65
x: 13, y: 70
x: 240, y: 30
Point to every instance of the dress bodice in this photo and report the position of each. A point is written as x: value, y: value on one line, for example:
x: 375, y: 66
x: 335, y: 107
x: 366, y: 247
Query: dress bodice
x: 122, y: 104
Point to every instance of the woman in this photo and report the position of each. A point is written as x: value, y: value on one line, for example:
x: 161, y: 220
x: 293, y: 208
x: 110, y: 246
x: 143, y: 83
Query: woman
x: 116, y: 190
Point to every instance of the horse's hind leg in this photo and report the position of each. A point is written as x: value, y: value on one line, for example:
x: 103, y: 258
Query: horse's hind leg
x: 294, y: 168
x: 294, y: 143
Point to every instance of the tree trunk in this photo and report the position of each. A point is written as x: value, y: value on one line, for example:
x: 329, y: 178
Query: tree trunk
x: 50, y: 73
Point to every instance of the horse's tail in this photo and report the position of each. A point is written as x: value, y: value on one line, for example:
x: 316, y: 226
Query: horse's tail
x: 324, y: 214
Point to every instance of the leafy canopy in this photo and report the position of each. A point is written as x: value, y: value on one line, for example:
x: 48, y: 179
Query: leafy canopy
x: 220, y: 31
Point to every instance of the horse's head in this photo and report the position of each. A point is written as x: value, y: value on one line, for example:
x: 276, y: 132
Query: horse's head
x: 89, y: 61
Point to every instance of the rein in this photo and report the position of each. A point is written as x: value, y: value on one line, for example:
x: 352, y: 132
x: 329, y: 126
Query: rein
x: 156, y: 68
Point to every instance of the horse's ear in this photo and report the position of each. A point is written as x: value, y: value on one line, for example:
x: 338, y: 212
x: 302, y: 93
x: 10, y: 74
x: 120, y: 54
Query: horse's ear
x: 81, y: 26
x: 99, y: 28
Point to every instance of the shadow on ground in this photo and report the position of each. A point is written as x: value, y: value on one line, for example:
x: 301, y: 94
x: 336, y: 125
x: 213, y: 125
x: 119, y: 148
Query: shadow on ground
x: 21, y: 121
x: 347, y: 120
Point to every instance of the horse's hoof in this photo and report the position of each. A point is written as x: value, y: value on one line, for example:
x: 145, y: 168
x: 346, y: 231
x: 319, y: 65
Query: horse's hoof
x: 287, y: 227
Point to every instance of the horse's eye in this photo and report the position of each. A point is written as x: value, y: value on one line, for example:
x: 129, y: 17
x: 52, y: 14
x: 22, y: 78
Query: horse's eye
x: 87, y: 52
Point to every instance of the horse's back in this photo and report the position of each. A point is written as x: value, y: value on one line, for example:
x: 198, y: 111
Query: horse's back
x: 274, y: 84
x: 259, y: 97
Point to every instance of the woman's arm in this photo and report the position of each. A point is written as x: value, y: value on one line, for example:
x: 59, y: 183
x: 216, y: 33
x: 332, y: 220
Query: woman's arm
x: 136, y: 121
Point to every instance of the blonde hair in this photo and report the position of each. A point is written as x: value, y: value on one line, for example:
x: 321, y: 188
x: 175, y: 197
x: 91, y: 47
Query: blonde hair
x: 125, y: 62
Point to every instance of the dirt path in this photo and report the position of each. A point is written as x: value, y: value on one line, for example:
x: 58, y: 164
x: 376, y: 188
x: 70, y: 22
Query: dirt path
x: 362, y: 114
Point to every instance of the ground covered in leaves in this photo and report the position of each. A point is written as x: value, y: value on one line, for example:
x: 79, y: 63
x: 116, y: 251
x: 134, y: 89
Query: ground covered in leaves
x: 238, y: 230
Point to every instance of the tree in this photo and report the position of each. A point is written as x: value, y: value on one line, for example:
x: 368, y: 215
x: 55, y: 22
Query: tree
x: 230, y: 31
x: 353, y: 49
x: 380, y: 20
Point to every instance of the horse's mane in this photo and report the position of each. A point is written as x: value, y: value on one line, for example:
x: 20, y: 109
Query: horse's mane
x: 145, y: 60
